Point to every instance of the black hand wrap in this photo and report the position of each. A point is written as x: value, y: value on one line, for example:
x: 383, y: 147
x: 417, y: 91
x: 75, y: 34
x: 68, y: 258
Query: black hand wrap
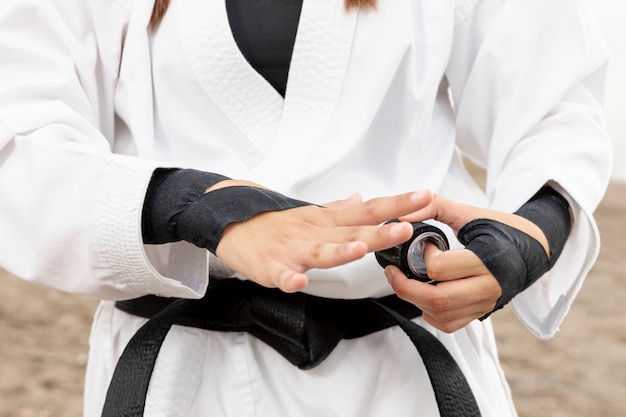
x: 178, y: 208
x: 514, y: 258
x: 169, y: 193
x: 549, y: 210
x: 204, y: 221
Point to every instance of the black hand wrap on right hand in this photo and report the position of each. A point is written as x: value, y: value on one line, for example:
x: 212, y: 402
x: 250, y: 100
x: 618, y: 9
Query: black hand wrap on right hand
x: 169, y: 194
x: 203, y: 221
x: 514, y: 258
x: 177, y: 207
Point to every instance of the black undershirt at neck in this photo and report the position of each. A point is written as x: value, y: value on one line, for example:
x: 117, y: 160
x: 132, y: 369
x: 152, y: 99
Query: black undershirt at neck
x: 265, y: 32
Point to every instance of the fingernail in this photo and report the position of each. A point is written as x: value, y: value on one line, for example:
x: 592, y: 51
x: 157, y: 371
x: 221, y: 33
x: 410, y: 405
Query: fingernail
x: 353, y: 246
x: 420, y: 195
x: 355, y: 196
x: 396, y: 228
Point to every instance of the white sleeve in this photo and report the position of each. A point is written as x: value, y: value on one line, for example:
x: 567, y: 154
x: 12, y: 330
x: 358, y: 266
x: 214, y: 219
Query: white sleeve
x: 70, y: 208
x: 527, y: 78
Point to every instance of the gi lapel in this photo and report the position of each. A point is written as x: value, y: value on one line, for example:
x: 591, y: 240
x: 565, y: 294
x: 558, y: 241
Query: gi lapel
x: 251, y: 104
x: 316, y: 76
x: 285, y: 131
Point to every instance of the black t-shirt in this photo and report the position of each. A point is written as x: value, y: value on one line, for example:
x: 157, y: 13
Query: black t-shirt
x: 265, y: 32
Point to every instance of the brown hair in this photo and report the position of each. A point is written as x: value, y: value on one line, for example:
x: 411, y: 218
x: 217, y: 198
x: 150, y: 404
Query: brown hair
x: 160, y: 7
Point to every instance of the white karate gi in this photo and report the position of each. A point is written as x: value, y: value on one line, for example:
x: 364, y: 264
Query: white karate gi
x: 91, y: 102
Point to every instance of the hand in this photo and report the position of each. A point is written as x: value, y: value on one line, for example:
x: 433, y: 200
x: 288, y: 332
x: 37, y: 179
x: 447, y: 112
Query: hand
x: 467, y: 290
x: 275, y: 249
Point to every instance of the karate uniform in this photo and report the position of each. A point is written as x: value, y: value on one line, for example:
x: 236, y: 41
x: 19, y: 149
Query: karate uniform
x: 377, y: 102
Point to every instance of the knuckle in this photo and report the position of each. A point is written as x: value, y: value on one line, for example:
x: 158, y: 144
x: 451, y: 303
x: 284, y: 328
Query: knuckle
x: 281, y: 277
x: 435, y: 268
x: 494, y: 294
x: 494, y: 290
x: 439, y: 304
x: 402, y: 291
x: 369, y: 207
x: 441, y: 317
x: 314, y: 252
x: 353, y: 234
x: 284, y: 281
x: 448, y: 327
x: 444, y: 326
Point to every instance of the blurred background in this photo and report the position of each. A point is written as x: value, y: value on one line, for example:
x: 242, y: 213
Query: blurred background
x: 580, y: 373
x: 611, y: 16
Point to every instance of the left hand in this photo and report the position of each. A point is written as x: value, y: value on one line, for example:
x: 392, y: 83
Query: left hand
x: 466, y: 290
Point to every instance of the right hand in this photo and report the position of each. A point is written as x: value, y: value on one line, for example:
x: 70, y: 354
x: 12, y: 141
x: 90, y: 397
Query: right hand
x: 466, y: 289
x: 275, y: 249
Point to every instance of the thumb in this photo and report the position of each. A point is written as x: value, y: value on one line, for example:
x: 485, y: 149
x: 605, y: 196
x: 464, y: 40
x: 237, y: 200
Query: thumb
x: 447, y: 211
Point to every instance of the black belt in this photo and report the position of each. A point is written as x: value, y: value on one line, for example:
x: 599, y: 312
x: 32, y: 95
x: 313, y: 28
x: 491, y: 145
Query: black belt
x: 301, y: 327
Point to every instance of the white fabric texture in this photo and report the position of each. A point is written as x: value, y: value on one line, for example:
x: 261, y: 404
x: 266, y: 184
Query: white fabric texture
x: 378, y: 102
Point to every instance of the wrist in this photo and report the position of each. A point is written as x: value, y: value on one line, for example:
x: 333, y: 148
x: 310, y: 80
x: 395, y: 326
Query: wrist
x: 169, y: 193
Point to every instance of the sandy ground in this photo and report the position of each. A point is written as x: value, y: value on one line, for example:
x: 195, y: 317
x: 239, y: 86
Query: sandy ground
x: 579, y: 373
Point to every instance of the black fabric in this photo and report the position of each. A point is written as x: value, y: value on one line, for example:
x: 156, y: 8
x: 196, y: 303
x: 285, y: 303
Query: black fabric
x: 177, y: 207
x: 303, y: 328
x: 514, y: 258
x: 204, y: 220
x: 452, y: 391
x: 398, y: 255
x: 169, y: 193
x: 265, y: 31
x: 126, y: 396
x: 549, y: 210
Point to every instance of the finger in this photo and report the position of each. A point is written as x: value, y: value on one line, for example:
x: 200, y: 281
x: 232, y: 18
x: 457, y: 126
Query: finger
x: 381, y: 209
x: 447, y: 211
x: 291, y: 278
x: 273, y: 273
x: 375, y: 237
x: 351, y: 201
x: 385, y: 236
x: 450, y: 326
x: 456, y: 215
x: 292, y: 281
x: 413, y: 291
x: 448, y: 308
x: 469, y: 312
x: 310, y: 254
x: 438, y: 310
x: 481, y: 290
x: 452, y: 264
x: 468, y: 297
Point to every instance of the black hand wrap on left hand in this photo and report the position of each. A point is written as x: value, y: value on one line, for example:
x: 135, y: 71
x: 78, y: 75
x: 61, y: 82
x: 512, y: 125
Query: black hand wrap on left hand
x: 514, y: 258
x: 549, y: 210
